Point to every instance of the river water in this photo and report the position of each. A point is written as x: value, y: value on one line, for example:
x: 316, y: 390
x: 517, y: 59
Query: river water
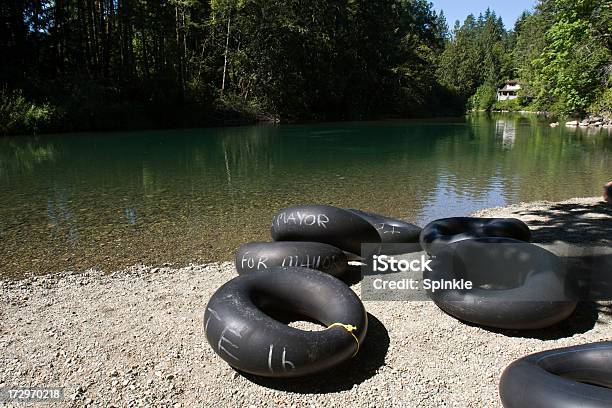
x: 110, y: 200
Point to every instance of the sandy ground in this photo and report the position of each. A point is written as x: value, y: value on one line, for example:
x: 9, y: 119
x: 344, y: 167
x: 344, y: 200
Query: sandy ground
x: 135, y: 338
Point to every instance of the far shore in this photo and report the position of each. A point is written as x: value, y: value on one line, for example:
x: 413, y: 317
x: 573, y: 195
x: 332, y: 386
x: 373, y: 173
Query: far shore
x: 135, y: 337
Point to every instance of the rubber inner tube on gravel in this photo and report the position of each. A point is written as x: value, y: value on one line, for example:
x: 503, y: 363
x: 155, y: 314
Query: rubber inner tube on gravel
x: 256, y: 256
x: 342, y: 228
x: 390, y: 230
x: 578, y: 376
x: 240, y: 326
x: 515, y: 285
x: 394, y: 235
x: 444, y: 231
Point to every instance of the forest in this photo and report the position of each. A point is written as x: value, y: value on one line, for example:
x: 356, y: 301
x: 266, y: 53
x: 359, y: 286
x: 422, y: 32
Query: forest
x: 561, y: 54
x: 73, y: 65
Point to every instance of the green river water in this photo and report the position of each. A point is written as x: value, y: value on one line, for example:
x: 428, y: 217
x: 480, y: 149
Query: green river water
x: 110, y: 200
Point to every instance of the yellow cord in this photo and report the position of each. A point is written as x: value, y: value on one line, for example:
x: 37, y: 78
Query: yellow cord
x: 351, y: 330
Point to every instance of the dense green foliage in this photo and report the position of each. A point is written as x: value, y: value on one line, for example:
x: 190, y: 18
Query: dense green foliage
x: 561, y: 54
x: 477, y: 58
x: 19, y: 115
x: 117, y: 64
x: 577, y: 58
x: 133, y: 63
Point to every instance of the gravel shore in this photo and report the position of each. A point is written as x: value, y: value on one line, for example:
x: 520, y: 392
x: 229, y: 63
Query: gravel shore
x: 135, y: 338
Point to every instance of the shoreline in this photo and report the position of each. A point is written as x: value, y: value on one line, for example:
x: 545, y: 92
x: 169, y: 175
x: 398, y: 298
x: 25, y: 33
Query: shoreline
x: 134, y: 337
x: 263, y: 120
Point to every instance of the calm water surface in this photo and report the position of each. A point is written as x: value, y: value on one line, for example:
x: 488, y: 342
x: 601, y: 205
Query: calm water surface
x: 111, y: 200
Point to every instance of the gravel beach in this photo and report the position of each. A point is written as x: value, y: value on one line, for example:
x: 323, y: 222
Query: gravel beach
x: 135, y: 338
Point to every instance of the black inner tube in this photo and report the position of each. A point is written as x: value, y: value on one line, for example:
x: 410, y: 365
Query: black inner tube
x: 346, y: 229
x: 445, y: 231
x: 323, y: 223
x: 249, y: 339
x: 390, y: 230
x: 256, y: 256
x: 582, y: 365
x: 516, y: 285
x: 578, y: 376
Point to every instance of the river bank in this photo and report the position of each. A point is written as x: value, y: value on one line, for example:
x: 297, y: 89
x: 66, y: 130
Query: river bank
x: 593, y: 120
x: 135, y: 338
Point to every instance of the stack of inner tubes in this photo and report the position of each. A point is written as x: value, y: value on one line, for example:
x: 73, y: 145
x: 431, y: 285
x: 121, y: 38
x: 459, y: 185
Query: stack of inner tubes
x: 344, y: 228
x: 516, y: 285
x: 322, y: 237
x: 296, y: 275
x: 439, y: 233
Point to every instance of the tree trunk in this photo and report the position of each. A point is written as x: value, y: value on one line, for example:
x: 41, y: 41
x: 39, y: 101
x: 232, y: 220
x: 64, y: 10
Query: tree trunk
x: 179, y: 53
x: 229, y: 19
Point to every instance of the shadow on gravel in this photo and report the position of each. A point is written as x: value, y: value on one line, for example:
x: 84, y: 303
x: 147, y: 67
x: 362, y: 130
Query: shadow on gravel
x: 581, y: 226
x: 582, y: 320
x: 584, y: 224
x: 593, y: 273
x: 343, y: 377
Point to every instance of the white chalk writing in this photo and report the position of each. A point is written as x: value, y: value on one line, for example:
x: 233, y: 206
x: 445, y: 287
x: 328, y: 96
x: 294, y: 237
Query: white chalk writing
x: 284, y: 362
x: 270, y: 358
x: 223, y: 341
x: 212, y: 313
x: 251, y: 261
x: 308, y: 261
x: 299, y: 218
x: 393, y: 231
x: 382, y: 227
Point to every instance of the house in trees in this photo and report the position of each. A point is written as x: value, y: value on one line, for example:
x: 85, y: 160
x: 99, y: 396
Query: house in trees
x: 508, y: 91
